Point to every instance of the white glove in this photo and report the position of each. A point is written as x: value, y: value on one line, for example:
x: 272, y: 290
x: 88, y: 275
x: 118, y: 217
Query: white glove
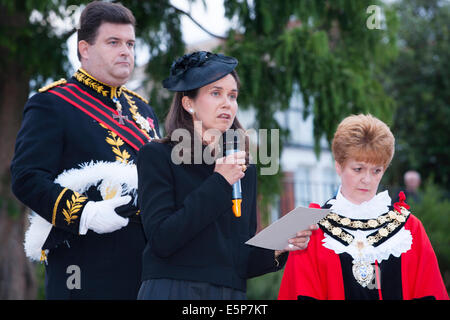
x: 100, y: 217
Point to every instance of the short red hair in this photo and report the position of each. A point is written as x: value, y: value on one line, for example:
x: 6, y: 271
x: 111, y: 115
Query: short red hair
x: 363, y: 138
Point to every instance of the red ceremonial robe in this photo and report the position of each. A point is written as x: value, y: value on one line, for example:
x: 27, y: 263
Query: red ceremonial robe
x: 316, y: 272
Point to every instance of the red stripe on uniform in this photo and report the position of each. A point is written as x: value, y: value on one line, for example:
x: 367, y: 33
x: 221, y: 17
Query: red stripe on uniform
x: 106, y: 115
x: 94, y: 117
x: 100, y: 102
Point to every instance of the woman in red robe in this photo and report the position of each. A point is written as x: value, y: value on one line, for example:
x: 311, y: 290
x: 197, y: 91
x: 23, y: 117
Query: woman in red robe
x: 367, y: 247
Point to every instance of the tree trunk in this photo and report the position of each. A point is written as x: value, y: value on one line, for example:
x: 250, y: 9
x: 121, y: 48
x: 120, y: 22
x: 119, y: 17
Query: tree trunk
x: 17, y: 274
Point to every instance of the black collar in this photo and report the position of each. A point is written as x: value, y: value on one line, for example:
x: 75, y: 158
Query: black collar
x: 106, y: 90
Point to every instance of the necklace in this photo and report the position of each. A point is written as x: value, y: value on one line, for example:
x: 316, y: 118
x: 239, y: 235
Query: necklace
x: 389, y: 223
x: 385, y: 226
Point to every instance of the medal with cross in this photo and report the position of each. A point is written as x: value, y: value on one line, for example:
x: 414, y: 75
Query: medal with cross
x: 119, y: 112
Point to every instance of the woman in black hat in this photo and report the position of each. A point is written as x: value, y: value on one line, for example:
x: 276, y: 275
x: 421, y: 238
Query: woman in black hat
x: 196, y: 244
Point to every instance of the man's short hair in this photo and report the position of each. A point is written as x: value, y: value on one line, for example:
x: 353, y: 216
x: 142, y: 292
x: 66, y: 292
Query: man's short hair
x: 98, y: 12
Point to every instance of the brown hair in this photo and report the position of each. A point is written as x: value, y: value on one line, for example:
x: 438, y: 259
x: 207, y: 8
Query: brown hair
x: 179, y: 118
x: 98, y: 12
x: 363, y: 138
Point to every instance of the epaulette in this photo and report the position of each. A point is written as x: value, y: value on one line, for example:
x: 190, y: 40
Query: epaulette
x: 135, y: 94
x: 52, y: 85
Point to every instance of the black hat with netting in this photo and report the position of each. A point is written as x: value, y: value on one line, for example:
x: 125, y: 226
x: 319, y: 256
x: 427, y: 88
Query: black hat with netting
x: 198, y: 69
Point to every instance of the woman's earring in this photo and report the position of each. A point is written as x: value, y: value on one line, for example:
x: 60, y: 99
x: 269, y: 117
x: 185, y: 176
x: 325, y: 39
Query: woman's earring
x: 191, y: 110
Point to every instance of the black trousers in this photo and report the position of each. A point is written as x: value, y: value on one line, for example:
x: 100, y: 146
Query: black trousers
x: 171, y: 289
x: 109, y: 266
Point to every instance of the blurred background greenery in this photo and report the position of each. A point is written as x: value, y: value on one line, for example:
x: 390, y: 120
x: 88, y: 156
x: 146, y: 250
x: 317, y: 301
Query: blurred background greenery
x: 434, y: 212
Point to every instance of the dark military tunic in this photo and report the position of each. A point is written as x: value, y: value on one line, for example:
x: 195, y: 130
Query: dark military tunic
x: 65, y: 125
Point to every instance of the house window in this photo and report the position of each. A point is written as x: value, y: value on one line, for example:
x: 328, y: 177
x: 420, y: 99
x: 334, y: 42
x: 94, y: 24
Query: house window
x: 331, y: 183
x: 316, y: 188
x: 303, y: 187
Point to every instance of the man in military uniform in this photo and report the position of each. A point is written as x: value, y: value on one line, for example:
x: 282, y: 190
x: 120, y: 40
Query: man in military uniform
x: 74, y: 165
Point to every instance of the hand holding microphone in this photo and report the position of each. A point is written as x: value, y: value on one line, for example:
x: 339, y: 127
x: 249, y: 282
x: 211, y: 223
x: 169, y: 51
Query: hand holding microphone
x: 232, y: 168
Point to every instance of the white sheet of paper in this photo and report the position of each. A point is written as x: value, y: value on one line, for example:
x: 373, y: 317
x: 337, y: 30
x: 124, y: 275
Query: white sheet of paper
x: 277, y: 235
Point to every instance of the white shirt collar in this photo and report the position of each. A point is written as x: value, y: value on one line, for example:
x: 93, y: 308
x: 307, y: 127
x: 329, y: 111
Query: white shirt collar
x: 376, y: 206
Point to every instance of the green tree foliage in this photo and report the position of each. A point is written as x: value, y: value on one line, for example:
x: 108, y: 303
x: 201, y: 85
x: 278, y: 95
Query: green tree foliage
x: 33, y: 34
x: 434, y: 212
x: 265, y: 287
x: 324, y: 47
x: 419, y: 81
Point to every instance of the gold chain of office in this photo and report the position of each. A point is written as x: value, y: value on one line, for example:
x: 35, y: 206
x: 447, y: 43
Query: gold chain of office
x: 386, y: 223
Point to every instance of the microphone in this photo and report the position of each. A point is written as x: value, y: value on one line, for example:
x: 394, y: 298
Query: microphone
x: 236, y: 196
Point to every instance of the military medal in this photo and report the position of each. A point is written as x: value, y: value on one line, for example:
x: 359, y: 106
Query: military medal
x: 146, y: 125
x: 142, y: 122
x: 119, y: 111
